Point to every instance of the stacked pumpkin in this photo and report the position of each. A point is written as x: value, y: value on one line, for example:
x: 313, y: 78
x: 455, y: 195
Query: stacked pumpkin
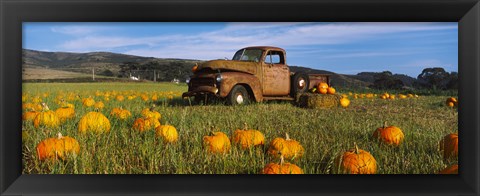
x: 150, y: 120
x: 452, y: 102
x: 284, y: 148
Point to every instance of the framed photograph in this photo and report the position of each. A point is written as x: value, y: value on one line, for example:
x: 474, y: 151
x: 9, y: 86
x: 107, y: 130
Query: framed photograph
x: 210, y: 97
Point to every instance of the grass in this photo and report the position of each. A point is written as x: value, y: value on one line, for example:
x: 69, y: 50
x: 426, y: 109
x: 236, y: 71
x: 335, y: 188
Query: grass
x: 324, y: 133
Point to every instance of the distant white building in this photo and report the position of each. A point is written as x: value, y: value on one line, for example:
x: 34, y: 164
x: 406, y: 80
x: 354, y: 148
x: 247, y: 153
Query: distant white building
x: 176, y: 80
x: 133, y: 78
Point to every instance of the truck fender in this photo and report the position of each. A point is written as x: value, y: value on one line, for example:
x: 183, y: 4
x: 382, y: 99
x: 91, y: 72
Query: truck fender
x: 251, y: 83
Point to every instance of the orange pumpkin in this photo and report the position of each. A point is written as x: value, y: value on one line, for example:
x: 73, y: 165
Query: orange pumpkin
x: 88, y: 102
x: 322, y: 85
x: 46, y: 118
x: 323, y: 91
x: 356, y: 161
x: 145, y: 124
x: 450, y: 170
x: 449, y: 145
x: 99, y: 105
x: 282, y: 168
x: 248, y: 138
x: 66, y: 111
x: 94, y: 122
x: 331, y: 90
x: 217, y: 142
x: 150, y: 112
x: 57, y: 147
x: 29, y: 115
x: 344, y: 102
x: 120, y: 113
x: 167, y: 132
x: 451, y: 100
x: 389, y: 135
x: 287, y: 147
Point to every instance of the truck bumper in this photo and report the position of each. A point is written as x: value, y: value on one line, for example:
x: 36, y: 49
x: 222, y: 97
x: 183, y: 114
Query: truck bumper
x: 200, y: 91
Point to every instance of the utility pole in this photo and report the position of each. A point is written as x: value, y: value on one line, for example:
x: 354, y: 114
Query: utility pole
x: 93, y: 74
x: 154, y: 76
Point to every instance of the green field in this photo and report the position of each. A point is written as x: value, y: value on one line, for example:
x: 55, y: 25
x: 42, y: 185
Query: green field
x: 324, y: 133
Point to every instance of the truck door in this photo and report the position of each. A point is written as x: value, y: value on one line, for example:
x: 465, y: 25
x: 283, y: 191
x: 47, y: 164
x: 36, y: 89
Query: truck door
x: 276, y: 75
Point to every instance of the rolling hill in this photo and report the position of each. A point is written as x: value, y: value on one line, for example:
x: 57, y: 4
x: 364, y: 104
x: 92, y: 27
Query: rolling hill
x: 40, y: 65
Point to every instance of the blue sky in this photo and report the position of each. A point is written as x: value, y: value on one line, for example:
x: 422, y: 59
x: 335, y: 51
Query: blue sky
x: 347, y: 48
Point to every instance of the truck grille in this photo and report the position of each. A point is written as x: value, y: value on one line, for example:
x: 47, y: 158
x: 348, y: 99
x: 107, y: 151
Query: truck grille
x: 196, y: 82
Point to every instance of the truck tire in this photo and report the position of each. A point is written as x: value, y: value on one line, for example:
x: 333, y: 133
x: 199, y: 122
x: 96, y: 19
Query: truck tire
x: 300, y: 83
x: 238, y: 96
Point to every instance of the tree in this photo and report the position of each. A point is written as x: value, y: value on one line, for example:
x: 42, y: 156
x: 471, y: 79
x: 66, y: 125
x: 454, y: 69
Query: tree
x: 435, y: 78
x: 385, y: 80
x: 453, y: 81
x: 106, y: 72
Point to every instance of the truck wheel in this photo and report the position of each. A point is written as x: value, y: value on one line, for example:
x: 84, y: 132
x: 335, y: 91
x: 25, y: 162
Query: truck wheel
x: 238, y: 96
x: 300, y: 83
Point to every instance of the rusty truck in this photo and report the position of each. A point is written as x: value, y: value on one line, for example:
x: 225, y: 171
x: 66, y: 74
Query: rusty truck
x: 254, y: 74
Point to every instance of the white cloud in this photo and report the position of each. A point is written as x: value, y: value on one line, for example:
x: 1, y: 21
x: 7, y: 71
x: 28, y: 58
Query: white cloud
x: 77, y: 30
x: 221, y: 43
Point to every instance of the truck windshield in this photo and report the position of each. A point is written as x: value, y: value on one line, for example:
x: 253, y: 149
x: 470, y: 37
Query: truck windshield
x: 248, y: 55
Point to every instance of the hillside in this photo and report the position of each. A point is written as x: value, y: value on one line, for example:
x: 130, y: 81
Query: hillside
x: 40, y: 65
x: 339, y: 80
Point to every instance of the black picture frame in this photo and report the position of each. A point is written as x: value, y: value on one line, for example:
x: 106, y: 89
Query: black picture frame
x: 14, y: 12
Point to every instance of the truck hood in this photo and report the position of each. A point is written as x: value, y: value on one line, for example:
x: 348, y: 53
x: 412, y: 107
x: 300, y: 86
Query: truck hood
x: 243, y: 66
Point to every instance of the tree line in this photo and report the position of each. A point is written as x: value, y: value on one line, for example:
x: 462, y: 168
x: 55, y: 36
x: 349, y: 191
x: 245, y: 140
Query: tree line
x: 435, y: 78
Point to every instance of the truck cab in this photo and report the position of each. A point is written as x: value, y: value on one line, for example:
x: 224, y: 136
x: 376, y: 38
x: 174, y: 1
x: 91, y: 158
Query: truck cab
x: 255, y: 73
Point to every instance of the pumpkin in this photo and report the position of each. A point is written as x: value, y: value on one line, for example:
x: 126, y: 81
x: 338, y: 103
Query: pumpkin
x: 344, y: 102
x: 217, y: 142
x: 282, y: 168
x: 356, y: 161
x: 59, y: 147
x: 402, y: 96
x: 451, y: 104
x: 167, y: 132
x: 150, y: 112
x: 66, y: 111
x: 99, y: 105
x: 450, y: 170
x: 120, y: 98
x: 323, y: 91
x: 32, y: 106
x: 390, y: 135
x: 94, y: 122
x: 331, y: 90
x: 120, y: 113
x: 449, y: 145
x: 452, y: 99
x: 88, y: 102
x: 29, y: 115
x: 392, y: 97
x: 145, y: 124
x: 46, y: 118
x: 322, y: 85
x: 287, y: 147
x: 194, y: 68
x: 248, y: 138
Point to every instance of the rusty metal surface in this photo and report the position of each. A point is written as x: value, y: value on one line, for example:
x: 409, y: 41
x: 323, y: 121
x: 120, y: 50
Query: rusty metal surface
x: 315, y: 79
x: 262, y: 79
x: 243, y: 66
x: 201, y: 89
x: 276, y: 80
x: 230, y: 79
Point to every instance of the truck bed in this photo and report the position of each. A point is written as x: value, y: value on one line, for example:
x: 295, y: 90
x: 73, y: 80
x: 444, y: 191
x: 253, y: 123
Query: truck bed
x: 315, y: 79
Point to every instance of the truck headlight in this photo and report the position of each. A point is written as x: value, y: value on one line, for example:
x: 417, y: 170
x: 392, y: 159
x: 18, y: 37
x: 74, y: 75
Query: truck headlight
x: 218, y: 78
